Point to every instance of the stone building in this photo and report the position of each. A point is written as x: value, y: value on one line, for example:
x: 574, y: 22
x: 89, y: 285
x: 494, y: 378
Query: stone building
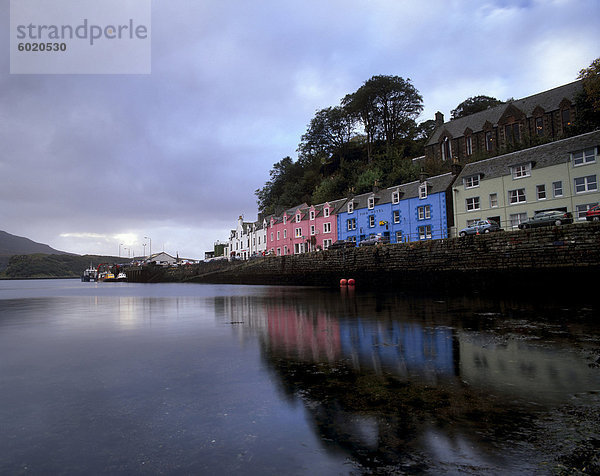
x: 530, y: 121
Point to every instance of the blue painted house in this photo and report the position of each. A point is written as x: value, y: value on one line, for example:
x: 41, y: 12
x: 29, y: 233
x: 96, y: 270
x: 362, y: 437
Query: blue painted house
x: 419, y: 210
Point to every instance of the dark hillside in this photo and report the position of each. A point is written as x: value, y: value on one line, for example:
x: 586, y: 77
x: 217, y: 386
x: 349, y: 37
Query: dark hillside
x: 52, y: 265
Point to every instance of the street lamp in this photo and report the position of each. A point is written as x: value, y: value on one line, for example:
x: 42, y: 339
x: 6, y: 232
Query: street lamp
x: 120, y: 244
x: 144, y: 245
x: 149, y: 239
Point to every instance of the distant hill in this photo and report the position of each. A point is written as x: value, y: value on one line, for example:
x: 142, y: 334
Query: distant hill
x: 40, y: 265
x: 18, y: 245
x: 11, y: 245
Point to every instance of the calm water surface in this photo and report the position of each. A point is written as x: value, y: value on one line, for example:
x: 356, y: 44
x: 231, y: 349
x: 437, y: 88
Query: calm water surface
x: 122, y: 378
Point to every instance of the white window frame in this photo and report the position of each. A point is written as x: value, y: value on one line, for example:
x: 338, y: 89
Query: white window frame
x: 518, y: 193
x: 284, y: 220
x: 396, y: 216
x: 326, y: 212
x: 472, y: 204
x: 298, y: 218
x: 327, y: 243
x: 515, y: 218
x: 423, y: 191
x: 469, y: 145
x: 424, y: 212
x: 589, y: 183
x: 298, y: 232
x: 472, y: 181
x: 493, y: 200
x: 350, y: 207
x: 311, y: 215
x: 396, y: 197
x: 557, y: 189
x: 327, y: 227
x: 351, y: 224
x: 425, y: 232
x: 580, y: 210
x: 540, y: 192
x: 399, y: 236
x: 521, y: 171
x: 584, y: 156
x: 371, y: 203
x: 371, y: 221
x: 278, y: 235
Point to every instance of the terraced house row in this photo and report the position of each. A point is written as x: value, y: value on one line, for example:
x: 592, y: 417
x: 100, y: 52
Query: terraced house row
x: 558, y: 175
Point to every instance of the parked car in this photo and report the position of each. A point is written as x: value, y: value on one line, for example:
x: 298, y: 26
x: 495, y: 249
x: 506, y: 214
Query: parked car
x: 549, y: 218
x: 480, y: 226
x: 374, y: 240
x: 593, y: 214
x: 342, y: 244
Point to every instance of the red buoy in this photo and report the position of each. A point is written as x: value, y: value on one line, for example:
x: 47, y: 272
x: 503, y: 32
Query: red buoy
x: 343, y: 282
x: 351, y: 282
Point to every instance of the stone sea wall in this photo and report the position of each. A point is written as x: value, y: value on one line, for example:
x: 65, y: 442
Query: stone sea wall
x: 566, y: 257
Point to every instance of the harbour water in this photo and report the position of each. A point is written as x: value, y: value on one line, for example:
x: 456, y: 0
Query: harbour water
x: 123, y: 378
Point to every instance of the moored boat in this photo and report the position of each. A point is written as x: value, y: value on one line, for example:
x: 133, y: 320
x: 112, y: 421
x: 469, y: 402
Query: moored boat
x: 90, y: 274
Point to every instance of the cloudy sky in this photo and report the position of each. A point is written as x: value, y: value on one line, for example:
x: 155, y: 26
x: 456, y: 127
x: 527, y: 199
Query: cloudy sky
x: 91, y: 162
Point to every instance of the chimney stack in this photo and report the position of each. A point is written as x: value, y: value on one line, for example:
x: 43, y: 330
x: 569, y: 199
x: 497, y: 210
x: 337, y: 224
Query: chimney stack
x: 439, y: 119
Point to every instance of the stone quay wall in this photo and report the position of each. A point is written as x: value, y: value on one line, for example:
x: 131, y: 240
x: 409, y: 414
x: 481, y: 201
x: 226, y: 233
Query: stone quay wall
x: 566, y: 257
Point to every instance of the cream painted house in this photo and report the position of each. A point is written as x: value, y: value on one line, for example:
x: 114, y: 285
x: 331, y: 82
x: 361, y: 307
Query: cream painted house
x: 560, y: 175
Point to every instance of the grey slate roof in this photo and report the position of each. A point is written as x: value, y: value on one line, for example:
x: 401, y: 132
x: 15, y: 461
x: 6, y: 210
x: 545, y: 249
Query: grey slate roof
x: 548, y: 100
x: 435, y: 184
x: 553, y: 153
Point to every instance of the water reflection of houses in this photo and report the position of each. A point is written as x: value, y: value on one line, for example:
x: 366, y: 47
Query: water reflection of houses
x: 518, y: 368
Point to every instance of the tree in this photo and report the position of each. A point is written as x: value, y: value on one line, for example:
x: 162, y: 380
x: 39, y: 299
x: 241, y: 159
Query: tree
x: 474, y: 104
x: 591, y: 83
x: 387, y: 107
x: 587, y: 102
x: 329, y: 132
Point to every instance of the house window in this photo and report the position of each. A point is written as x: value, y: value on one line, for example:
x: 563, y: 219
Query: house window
x: 327, y: 227
x: 351, y: 224
x: 350, y: 207
x: 278, y: 251
x: 472, y: 204
x: 371, y: 221
x: 298, y: 232
x: 396, y: 197
x: 566, y: 117
x: 517, y: 218
x: 446, y: 149
x: 284, y: 220
x: 271, y: 236
x: 326, y: 212
x: 516, y: 196
x: 371, y: 203
x: 540, y: 190
x: 582, y: 209
x: 521, y: 171
x: 425, y: 232
x: 285, y: 250
x: 398, y: 237
x: 511, y: 131
x: 423, y: 190
x: 396, y: 216
x: 312, y: 230
x: 489, y: 141
x: 557, y: 189
x: 284, y: 234
x: 493, y: 200
x: 582, y: 157
x: 539, y: 126
x: 424, y: 213
x: 326, y: 244
x: 278, y: 235
x: 472, y: 182
x: 312, y: 215
x: 469, y: 145
x: 298, y: 218
x: 586, y: 184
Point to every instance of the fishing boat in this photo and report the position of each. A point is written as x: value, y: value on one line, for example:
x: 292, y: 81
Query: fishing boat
x: 90, y: 274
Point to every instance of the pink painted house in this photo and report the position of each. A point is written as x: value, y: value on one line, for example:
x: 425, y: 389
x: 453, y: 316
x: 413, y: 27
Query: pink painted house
x: 302, y: 229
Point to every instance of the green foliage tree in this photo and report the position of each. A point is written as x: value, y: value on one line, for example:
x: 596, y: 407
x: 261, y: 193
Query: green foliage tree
x: 474, y: 104
x: 387, y: 107
x: 328, y: 133
x: 587, y: 102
